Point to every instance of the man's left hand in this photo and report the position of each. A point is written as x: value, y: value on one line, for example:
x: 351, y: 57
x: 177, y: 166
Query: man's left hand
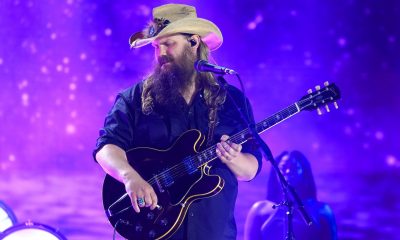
x: 228, y: 151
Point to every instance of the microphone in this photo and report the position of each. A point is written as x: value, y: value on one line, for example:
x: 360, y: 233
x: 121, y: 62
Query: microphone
x: 204, y: 66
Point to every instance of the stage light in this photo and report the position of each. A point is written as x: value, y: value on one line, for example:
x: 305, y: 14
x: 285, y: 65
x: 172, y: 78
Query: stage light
x: 31, y: 231
x: 7, y: 217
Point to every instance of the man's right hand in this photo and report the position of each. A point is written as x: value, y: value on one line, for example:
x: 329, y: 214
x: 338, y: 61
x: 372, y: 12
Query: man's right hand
x: 141, y: 192
x: 114, y: 162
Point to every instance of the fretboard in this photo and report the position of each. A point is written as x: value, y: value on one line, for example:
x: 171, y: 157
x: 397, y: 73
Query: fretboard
x: 241, y: 137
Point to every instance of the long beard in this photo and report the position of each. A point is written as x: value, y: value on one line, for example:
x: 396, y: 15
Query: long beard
x: 170, y: 81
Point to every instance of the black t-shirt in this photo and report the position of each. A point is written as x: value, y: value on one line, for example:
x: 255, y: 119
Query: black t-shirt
x: 127, y: 127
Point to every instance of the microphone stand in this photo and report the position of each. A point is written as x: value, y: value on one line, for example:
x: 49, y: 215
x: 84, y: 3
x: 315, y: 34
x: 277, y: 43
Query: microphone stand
x: 289, y: 192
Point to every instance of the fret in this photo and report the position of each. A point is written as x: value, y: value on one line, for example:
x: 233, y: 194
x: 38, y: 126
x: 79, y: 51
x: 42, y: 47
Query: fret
x: 307, y: 102
x: 209, y: 154
x: 277, y: 118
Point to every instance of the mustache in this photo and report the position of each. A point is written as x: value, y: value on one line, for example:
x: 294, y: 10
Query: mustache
x: 164, y: 59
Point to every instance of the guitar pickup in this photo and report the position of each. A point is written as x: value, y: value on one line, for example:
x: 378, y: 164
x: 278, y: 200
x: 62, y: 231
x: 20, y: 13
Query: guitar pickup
x: 190, y: 167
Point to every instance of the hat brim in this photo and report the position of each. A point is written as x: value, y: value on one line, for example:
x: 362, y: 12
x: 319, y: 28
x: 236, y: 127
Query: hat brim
x: 207, y: 30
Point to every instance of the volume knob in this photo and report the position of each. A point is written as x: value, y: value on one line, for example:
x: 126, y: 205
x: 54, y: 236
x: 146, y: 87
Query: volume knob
x: 164, y: 222
x: 138, y: 228
x: 152, y: 234
x: 150, y: 216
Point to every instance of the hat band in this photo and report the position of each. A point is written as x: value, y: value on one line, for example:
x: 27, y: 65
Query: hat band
x: 156, y: 26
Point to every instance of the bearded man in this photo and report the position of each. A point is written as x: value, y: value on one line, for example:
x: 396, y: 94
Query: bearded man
x: 154, y: 114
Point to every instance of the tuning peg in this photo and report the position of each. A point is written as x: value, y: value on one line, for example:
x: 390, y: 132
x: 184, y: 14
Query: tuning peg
x: 336, y: 105
x: 309, y: 91
x: 318, y: 87
x: 327, y: 108
x: 319, y: 111
x: 326, y: 83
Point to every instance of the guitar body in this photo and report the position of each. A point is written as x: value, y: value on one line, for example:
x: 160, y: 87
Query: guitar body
x: 175, y: 189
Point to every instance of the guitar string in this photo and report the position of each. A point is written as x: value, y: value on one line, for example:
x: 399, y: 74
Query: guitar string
x: 181, y: 166
x: 209, y: 153
x: 180, y: 169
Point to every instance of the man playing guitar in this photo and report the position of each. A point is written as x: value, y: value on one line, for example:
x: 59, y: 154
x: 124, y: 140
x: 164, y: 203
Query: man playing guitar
x: 149, y: 127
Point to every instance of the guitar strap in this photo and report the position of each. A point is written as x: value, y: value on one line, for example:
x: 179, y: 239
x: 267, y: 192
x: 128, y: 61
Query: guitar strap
x: 216, y: 102
x: 212, y: 121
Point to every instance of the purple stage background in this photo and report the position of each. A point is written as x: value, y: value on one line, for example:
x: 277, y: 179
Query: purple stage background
x: 63, y: 62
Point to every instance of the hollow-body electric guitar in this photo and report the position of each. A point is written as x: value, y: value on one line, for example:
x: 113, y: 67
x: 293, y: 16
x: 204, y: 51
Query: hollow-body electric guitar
x: 181, y: 174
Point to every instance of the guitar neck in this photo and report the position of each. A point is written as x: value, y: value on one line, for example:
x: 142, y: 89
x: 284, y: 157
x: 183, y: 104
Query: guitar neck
x: 243, y: 136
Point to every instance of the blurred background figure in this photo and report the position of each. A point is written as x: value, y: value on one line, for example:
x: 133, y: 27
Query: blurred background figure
x: 264, y: 222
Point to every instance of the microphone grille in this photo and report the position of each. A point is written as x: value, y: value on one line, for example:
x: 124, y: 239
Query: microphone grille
x: 199, y: 63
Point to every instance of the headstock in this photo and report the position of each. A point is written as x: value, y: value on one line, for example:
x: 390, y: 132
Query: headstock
x: 321, y: 97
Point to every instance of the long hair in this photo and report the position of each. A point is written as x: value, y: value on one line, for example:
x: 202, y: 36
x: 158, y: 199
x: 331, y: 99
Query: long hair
x: 214, y: 95
x: 306, y: 185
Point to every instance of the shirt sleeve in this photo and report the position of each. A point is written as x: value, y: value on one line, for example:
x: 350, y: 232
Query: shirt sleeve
x: 118, y: 126
x: 251, y: 146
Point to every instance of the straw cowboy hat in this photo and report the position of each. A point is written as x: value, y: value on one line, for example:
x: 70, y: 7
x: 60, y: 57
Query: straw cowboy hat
x: 171, y: 19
